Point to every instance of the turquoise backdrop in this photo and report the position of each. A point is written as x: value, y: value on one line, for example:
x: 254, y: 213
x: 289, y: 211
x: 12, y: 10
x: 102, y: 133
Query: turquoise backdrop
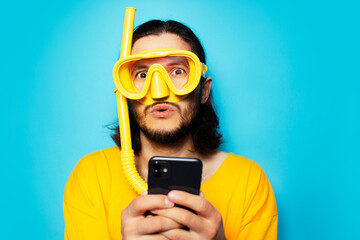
x: 286, y: 86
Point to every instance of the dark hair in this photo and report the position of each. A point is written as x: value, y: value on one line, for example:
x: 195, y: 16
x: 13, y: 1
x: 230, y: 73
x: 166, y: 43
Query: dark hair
x: 156, y: 27
x: 205, y: 134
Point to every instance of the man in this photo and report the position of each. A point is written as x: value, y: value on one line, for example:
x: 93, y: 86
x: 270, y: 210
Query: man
x: 237, y: 201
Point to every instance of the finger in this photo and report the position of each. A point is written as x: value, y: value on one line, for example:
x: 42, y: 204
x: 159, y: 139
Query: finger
x: 183, y: 217
x: 178, y: 234
x: 200, y: 226
x: 199, y: 204
x: 145, y: 203
x: 156, y: 224
x: 156, y: 237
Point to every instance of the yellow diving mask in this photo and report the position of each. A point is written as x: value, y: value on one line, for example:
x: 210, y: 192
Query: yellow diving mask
x: 156, y: 75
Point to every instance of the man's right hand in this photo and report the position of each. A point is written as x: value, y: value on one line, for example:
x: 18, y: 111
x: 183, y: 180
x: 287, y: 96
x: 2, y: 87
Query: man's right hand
x: 135, y: 223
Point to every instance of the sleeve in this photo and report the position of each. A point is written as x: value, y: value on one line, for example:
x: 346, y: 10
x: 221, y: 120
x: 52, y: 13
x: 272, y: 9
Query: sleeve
x: 260, y: 214
x: 84, y: 204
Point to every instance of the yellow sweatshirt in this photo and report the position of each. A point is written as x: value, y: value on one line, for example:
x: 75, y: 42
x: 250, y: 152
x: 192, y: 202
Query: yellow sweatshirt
x: 97, y: 192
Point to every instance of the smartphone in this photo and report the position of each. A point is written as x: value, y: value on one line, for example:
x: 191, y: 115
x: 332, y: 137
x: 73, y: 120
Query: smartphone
x: 174, y: 173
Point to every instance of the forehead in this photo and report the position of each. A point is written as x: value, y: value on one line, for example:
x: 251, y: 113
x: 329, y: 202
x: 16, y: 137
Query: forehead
x: 164, y: 40
x: 165, y: 61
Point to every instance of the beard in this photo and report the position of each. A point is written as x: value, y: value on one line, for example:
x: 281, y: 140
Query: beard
x: 187, y: 121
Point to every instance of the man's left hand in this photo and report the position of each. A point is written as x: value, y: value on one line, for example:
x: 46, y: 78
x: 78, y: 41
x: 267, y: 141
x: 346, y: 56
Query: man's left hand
x: 206, y: 224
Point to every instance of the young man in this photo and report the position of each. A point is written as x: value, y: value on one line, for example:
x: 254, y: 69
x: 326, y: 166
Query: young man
x: 237, y: 200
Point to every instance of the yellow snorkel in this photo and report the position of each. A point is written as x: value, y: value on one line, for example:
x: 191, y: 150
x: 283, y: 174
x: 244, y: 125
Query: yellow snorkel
x: 159, y: 85
x: 126, y: 152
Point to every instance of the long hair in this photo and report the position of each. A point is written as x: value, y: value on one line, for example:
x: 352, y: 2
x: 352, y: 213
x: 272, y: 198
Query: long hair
x: 205, y: 131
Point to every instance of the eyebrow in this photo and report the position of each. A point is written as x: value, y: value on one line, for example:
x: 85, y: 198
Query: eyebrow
x: 137, y: 67
x: 174, y: 62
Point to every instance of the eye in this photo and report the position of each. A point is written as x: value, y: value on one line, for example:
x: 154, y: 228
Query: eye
x: 178, y: 71
x: 141, y: 74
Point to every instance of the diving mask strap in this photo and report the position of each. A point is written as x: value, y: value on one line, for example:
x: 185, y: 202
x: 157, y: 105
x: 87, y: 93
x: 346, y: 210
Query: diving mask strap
x: 203, y: 70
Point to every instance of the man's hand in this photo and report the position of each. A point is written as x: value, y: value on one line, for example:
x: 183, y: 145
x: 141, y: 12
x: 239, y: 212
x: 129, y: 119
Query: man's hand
x: 135, y: 223
x: 207, y: 224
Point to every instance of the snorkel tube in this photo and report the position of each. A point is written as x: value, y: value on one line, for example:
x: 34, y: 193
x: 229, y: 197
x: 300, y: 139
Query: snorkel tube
x: 126, y: 152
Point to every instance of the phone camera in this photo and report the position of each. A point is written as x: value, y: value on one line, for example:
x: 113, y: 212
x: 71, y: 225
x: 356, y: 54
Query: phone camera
x: 157, y: 165
x: 157, y: 173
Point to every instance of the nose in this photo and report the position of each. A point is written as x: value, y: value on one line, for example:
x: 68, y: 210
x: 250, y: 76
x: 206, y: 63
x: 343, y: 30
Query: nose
x: 159, y: 88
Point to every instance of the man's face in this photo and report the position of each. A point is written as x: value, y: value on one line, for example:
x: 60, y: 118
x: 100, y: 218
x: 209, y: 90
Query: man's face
x: 164, y: 122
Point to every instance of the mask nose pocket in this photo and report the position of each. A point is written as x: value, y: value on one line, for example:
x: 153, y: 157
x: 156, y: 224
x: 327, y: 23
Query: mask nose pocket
x: 159, y: 88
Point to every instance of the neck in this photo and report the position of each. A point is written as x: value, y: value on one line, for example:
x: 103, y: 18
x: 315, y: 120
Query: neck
x: 181, y: 148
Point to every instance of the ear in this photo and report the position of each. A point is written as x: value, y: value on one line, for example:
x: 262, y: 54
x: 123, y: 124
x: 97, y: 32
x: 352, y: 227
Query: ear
x: 205, y: 89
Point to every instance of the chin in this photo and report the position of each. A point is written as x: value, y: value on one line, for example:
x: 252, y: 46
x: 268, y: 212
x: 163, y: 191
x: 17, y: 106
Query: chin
x: 163, y: 124
x: 161, y: 129
x: 165, y: 135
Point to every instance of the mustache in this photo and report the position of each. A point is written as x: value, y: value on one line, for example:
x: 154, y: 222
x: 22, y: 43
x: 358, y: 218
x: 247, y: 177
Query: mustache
x: 169, y: 103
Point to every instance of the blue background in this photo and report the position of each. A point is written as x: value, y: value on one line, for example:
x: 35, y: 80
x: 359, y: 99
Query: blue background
x: 286, y: 86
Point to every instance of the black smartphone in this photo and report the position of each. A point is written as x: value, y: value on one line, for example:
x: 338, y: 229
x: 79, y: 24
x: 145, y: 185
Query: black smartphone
x: 174, y: 173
